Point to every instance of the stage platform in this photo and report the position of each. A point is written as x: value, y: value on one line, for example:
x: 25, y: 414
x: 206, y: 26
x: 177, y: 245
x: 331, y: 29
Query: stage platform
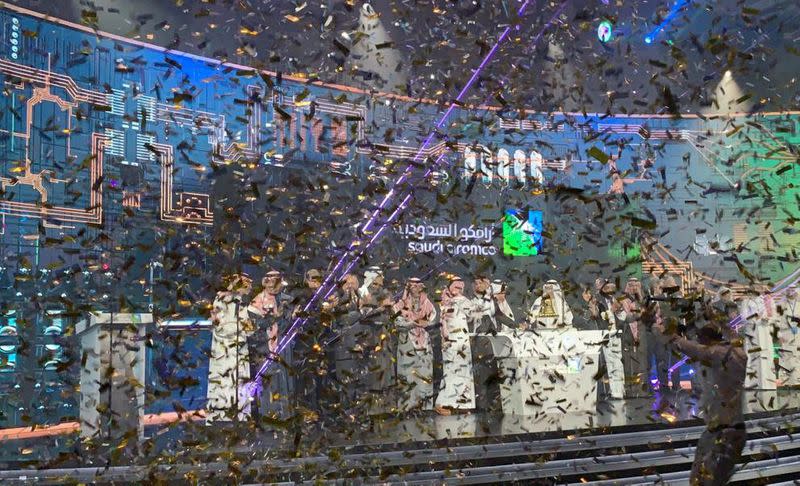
x: 629, y: 441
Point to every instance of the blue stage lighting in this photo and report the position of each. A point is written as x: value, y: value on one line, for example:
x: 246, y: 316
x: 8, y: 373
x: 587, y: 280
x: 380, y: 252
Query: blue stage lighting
x: 673, y: 12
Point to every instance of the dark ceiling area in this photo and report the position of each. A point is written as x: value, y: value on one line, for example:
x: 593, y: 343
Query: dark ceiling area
x: 552, y: 61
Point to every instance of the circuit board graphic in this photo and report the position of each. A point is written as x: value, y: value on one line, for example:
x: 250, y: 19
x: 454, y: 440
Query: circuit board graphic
x: 95, y: 129
x: 93, y: 125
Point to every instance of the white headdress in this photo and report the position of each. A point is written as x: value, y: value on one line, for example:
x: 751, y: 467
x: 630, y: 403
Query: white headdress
x: 563, y: 314
x: 370, y: 274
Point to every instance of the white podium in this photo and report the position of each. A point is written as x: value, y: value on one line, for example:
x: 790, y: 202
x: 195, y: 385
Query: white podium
x: 112, y: 375
x: 757, y: 334
x: 548, y: 371
x: 760, y: 363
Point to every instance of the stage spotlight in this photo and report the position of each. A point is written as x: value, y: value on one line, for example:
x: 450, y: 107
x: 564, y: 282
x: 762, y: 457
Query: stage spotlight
x: 368, y: 11
x: 374, y: 55
x: 605, y: 31
x: 728, y: 96
x: 648, y: 40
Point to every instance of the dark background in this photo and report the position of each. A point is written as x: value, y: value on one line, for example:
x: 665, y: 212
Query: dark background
x: 435, y: 45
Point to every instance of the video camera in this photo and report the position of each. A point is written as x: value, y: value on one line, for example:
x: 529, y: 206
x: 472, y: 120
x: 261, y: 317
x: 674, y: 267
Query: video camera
x: 675, y: 312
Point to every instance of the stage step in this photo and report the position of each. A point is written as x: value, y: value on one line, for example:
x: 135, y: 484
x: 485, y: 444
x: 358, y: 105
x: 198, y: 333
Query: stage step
x: 585, y: 469
x: 600, y: 459
x: 756, y: 472
x: 523, y: 447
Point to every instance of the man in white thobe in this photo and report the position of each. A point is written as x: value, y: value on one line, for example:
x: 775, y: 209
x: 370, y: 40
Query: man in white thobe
x: 789, y: 352
x: 229, y: 367
x: 550, y: 311
x: 758, y: 314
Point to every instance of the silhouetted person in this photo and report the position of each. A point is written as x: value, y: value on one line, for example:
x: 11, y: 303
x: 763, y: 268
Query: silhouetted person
x: 667, y: 304
x: 270, y: 310
x: 722, y: 365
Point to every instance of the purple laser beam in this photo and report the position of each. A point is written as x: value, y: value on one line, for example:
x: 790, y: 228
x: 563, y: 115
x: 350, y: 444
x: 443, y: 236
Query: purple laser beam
x: 739, y: 318
x: 452, y: 106
x: 298, y: 322
x: 443, y: 119
x: 780, y: 292
x: 472, y: 79
x: 391, y: 218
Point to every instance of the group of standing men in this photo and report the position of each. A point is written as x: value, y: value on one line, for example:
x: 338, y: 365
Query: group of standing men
x: 369, y: 351
x: 366, y: 350
x: 730, y: 343
x: 373, y: 349
x: 370, y: 344
x: 630, y: 350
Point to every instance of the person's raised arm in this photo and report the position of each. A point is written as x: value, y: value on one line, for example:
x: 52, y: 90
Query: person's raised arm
x: 431, y: 317
x: 568, y: 317
x: 619, y: 312
x: 694, y: 350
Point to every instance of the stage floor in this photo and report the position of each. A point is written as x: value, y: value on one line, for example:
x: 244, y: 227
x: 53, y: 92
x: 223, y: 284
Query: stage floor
x: 191, y: 439
x: 660, y: 410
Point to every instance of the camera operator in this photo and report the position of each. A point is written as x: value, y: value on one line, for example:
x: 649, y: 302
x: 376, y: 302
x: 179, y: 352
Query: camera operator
x: 722, y: 361
x: 675, y: 309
